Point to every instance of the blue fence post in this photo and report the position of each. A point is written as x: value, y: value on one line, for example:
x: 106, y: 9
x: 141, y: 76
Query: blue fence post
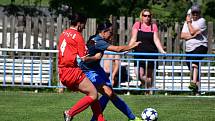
x: 40, y: 73
x: 22, y: 83
x: 13, y: 74
x: 32, y: 70
x: 4, y: 80
x: 50, y: 72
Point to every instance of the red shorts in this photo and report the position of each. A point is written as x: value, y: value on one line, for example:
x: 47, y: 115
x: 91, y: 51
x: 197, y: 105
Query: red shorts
x: 71, y: 77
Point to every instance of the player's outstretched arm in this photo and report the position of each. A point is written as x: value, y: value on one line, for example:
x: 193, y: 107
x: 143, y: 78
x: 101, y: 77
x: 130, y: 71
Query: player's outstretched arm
x: 88, y: 58
x: 122, y: 48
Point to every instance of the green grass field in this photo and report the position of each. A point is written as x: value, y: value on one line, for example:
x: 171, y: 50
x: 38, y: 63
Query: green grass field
x: 29, y: 106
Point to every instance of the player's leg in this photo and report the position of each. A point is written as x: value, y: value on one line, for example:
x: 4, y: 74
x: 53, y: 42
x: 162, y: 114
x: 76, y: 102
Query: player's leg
x: 87, y: 88
x: 107, y: 90
x: 93, y: 77
x: 103, y: 100
x: 118, y: 103
x: 97, y: 111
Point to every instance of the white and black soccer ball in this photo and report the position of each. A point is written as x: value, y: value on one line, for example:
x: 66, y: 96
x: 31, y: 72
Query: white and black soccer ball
x: 149, y: 114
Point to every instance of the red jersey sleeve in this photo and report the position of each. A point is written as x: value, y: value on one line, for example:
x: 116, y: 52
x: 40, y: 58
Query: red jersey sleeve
x: 70, y: 45
x: 82, y: 48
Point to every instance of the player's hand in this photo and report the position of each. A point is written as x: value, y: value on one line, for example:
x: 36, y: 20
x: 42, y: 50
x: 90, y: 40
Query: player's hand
x: 136, y: 44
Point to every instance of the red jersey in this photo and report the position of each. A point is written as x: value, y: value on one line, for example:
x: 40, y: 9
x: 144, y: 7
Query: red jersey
x: 71, y: 43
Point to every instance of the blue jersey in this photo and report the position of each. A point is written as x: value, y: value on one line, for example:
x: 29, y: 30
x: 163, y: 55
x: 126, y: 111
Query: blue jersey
x: 96, y: 44
x: 93, y: 70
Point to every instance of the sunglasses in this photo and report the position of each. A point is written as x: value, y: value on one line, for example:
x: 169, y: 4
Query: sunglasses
x: 147, y: 16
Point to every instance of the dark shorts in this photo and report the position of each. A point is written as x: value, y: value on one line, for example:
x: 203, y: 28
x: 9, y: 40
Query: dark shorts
x: 199, y: 50
x: 142, y: 63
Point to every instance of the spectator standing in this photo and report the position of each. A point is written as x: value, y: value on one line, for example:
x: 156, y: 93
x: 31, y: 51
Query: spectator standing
x: 71, y: 44
x: 111, y: 66
x: 194, y: 32
x: 146, y: 32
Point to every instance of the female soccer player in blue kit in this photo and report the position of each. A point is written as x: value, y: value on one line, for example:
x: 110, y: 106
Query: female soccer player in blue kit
x: 93, y: 70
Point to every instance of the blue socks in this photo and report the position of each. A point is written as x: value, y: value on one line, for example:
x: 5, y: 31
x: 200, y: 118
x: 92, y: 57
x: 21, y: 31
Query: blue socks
x: 123, y: 107
x: 103, y: 101
x: 118, y: 103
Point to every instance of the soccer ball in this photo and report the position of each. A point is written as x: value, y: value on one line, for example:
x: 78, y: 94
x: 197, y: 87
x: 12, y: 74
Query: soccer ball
x: 149, y: 114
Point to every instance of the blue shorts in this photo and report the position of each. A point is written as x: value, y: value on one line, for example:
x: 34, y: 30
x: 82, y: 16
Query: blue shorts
x: 97, y: 76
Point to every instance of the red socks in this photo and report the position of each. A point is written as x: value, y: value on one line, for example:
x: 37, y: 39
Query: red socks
x: 81, y: 105
x: 97, y: 111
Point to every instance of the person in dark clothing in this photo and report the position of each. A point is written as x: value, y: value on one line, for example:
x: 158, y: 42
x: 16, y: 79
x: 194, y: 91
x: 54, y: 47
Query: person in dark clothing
x: 146, y: 32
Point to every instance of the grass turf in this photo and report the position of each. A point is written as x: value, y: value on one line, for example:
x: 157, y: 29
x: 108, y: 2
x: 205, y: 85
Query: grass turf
x: 27, y: 106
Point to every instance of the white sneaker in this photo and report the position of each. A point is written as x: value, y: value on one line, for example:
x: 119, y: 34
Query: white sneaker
x: 67, y: 117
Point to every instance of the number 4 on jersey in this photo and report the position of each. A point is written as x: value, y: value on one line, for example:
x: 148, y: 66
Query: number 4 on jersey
x: 63, y: 46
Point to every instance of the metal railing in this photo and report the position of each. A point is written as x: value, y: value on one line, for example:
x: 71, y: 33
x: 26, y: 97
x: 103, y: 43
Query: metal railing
x: 29, y: 68
x: 171, y: 74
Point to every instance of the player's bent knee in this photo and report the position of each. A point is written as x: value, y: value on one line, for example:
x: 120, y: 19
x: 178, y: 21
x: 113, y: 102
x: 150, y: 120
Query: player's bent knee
x: 93, y: 94
x: 88, y: 88
x: 113, y: 96
x: 110, y: 94
x: 107, y: 91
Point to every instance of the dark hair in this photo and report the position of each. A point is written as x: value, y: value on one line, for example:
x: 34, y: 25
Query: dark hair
x: 91, y: 37
x: 103, y: 26
x: 77, y: 17
x: 196, y: 8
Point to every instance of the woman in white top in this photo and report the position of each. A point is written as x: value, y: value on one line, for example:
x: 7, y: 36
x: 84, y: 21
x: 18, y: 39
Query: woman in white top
x: 194, y: 32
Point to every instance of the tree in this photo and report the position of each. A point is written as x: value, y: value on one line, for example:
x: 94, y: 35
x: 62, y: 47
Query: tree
x: 166, y: 11
x: 100, y: 8
x: 171, y: 10
x: 209, y: 10
x: 23, y: 9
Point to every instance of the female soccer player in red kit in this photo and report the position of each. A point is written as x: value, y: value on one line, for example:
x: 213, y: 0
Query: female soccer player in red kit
x: 71, y: 44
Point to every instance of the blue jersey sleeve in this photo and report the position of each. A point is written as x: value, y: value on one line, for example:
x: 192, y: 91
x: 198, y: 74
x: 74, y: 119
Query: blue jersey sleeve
x: 101, y: 45
x: 96, y: 44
